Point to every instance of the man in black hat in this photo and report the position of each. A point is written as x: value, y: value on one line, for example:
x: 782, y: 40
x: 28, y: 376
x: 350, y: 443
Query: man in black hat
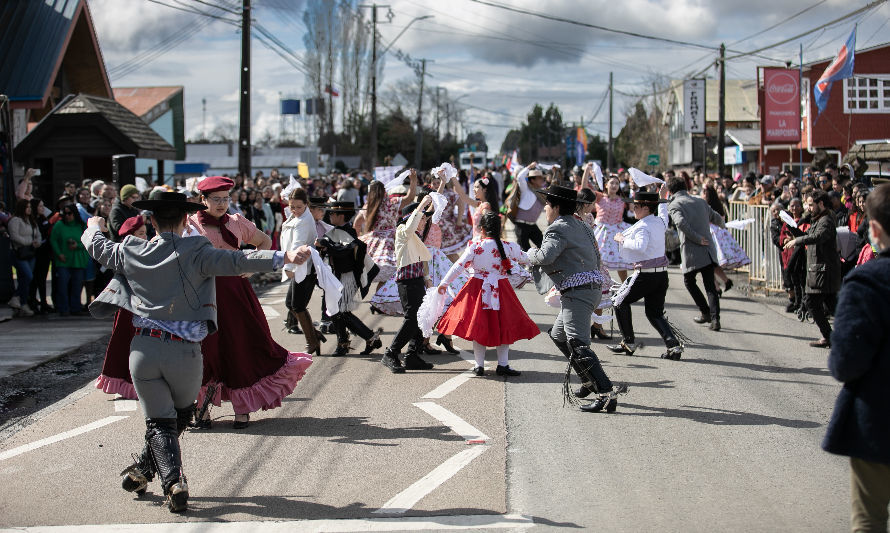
x: 643, y: 246
x: 412, y: 278
x: 569, y: 260
x: 167, y: 284
x: 356, y: 270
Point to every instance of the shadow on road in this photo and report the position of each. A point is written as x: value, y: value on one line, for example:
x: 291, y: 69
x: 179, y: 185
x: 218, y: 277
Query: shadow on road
x: 718, y: 417
x: 812, y: 371
x: 344, y: 429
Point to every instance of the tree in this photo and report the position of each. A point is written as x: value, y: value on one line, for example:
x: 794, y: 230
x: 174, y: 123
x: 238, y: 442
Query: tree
x: 597, y: 148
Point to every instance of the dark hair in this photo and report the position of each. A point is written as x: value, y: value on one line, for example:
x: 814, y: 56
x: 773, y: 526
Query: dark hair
x: 877, y: 206
x: 21, y: 206
x: 491, y: 225
x: 676, y: 184
x: 713, y: 200
x: 491, y: 192
x: 821, y: 197
x: 586, y: 195
x: 168, y: 217
x: 299, y: 194
x: 376, y: 196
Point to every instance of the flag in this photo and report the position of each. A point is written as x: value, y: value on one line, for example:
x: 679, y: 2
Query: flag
x: 580, y: 146
x: 839, y: 69
x: 330, y: 89
x: 513, y: 165
x: 302, y: 170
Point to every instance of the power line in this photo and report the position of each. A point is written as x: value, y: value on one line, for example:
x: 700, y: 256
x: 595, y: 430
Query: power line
x: 594, y: 26
x: 777, y: 24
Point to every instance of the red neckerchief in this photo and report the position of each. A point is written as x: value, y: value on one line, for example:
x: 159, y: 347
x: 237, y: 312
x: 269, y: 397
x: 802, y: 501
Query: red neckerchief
x: 227, y: 235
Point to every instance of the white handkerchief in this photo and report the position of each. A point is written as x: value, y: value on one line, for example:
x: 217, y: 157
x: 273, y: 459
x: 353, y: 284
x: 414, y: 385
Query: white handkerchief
x: 740, y: 224
x: 450, y: 171
x: 385, y: 174
x: 291, y: 187
x: 641, y: 178
x: 786, y: 218
x: 598, y: 172
x: 545, y: 166
x: 440, y: 203
x: 398, y: 181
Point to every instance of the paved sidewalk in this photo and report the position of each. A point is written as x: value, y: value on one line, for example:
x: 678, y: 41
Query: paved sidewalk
x: 29, y: 342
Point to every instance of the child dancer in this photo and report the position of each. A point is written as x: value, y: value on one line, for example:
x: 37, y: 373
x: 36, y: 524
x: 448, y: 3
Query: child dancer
x: 486, y: 310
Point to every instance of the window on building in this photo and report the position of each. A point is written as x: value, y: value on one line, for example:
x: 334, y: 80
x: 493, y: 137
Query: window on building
x: 867, y: 94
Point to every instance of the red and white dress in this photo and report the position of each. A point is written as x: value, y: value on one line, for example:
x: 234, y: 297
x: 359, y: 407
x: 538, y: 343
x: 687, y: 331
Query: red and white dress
x: 610, y: 222
x: 454, y: 236
x: 381, y: 241
x: 486, y: 310
x: 730, y: 254
x: 251, y: 370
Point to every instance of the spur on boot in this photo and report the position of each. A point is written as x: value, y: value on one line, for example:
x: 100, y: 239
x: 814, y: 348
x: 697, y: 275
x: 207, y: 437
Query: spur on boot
x: 136, y: 476
x: 624, y: 347
x: 445, y: 342
x: 178, y: 496
x: 243, y: 423
x: 607, y: 401
x: 673, y: 353
x: 506, y: 371
x: 373, y: 343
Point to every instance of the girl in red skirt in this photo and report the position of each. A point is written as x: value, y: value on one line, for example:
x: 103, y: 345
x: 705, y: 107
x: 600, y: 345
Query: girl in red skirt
x: 486, y: 310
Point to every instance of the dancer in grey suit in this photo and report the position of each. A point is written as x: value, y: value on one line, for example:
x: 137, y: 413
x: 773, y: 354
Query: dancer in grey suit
x: 692, y: 216
x: 167, y: 284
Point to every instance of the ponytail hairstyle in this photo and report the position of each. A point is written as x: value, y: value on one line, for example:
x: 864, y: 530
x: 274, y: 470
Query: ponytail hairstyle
x: 376, y: 196
x: 492, y: 196
x: 491, y: 225
x: 587, y: 196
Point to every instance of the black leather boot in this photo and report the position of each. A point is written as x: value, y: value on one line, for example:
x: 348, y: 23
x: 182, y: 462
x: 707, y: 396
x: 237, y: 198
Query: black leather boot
x: 391, y: 361
x: 163, y: 442
x: 587, y: 387
x: 587, y: 365
x: 412, y: 357
x: 137, y: 476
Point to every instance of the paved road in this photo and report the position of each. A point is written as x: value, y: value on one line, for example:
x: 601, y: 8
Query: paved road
x: 726, y: 439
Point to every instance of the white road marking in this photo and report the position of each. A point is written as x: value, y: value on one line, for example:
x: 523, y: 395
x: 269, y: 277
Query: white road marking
x: 414, y: 523
x: 275, y: 301
x: 449, y: 386
x: 456, y: 423
x: 60, y: 437
x: 467, y: 356
x: 270, y: 312
x: 409, y: 497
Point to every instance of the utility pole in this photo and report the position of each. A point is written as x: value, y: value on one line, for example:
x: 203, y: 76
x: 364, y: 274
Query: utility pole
x: 244, y: 133
x: 610, y: 157
x: 204, y: 117
x: 721, y: 121
x: 373, y: 8
x: 447, y: 118
x: 418, y: 147
x: 438, y: 143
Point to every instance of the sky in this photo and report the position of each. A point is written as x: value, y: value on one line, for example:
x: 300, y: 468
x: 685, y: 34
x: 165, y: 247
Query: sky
x: 496, y: 61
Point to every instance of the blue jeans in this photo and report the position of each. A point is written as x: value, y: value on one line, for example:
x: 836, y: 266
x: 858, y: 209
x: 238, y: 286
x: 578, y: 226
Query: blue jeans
x: 24, y: 271
x: 69, y: 285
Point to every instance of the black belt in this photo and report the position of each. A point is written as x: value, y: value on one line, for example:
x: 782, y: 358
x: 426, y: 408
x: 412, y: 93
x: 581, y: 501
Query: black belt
x: 159, y: 334
x: 591, y: 286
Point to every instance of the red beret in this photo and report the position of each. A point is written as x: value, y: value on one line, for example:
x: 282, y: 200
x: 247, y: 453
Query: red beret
x: 215, y: 184
x: 130, y: 226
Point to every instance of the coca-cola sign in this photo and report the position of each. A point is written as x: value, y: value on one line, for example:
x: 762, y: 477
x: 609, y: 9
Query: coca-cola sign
x: 781, y: 105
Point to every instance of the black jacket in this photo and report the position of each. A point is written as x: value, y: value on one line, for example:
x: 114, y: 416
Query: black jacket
x: 823, y: 259
x: 860, y: 359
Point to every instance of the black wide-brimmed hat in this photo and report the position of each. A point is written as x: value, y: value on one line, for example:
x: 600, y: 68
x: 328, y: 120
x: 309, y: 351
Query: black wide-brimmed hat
x: 410, y: 208
x: 645, y: 197
x: 169, y: 200
x: 563, y: 193
x: 340, y: 207
x: 318, y: 201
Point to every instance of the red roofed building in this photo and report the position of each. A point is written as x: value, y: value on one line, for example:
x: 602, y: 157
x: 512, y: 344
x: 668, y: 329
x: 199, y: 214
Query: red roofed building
x: 162, y: 109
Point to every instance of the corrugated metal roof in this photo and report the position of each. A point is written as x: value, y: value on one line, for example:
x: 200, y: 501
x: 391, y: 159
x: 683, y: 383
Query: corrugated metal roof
x: 748, y: 139
x: 34, y: 34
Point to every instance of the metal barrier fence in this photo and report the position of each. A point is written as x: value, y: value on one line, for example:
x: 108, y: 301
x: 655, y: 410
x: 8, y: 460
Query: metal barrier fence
x: 765, y: 270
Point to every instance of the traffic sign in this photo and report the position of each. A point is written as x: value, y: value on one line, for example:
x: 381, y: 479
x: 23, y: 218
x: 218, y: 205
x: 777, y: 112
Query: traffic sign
x: 654, y: 160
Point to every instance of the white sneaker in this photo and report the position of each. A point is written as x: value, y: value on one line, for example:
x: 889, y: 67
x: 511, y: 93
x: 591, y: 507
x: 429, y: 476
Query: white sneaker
x: 14, y: 303
x: 25, y: 311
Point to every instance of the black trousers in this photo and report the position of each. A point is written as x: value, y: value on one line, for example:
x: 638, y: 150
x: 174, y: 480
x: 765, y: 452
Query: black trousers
x: 526, y: 233
x: 299, y: 294
x: 711, y: 305
x: 817, y: 304
x: 652, y: 288
x: 347, y: 321
x: 411, y: 292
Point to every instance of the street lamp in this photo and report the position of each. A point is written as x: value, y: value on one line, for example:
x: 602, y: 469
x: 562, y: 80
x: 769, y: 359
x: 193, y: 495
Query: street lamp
x: 374, y: 79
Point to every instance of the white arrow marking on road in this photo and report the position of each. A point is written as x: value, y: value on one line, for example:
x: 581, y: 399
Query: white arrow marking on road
x: 449, y: 386
x: 406, y: 499
x: 414, y: 523
x: 456, y: 423
x: 60, y: 437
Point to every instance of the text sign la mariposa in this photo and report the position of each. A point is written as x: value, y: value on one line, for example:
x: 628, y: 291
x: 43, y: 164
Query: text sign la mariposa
x: 781, y: 105
x: 694, y: 106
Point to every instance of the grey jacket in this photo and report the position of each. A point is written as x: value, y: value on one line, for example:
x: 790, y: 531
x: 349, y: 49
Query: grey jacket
x: 569, y: 247
x: 692, y: 216
x: 169, y: 277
